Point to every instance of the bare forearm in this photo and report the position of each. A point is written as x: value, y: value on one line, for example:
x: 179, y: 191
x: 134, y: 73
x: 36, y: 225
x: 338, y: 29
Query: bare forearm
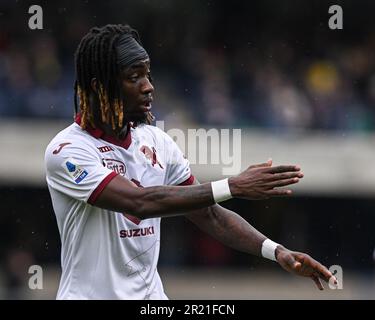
x: 164, y: 201
x: 229, y: 228
x: 156, y: 201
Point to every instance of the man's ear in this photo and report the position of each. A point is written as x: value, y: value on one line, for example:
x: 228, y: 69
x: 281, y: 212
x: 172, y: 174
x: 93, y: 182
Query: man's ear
x: 94, y: 84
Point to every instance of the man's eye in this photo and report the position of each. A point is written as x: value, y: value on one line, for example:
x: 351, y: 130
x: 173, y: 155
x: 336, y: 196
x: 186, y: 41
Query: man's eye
x: 133, y: 77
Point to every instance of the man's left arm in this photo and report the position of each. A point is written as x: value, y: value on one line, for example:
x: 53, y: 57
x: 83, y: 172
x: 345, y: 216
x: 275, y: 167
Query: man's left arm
x: 232, y: 230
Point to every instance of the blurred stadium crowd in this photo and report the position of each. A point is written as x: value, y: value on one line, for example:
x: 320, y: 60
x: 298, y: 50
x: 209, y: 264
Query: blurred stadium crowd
x: 233, y: 65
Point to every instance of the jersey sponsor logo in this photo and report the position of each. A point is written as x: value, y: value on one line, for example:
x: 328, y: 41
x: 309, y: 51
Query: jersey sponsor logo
x: 134, y: 233
x: 76, y: 172
x: 115, y: 165
x: 61, y: 145
x: 150, y: 154
x: 105, y: 149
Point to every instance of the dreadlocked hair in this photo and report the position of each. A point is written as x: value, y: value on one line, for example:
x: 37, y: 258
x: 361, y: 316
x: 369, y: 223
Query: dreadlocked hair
x: 96, y: 58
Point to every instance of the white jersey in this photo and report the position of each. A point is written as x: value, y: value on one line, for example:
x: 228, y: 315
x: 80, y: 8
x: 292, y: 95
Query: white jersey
x: 106, y: 254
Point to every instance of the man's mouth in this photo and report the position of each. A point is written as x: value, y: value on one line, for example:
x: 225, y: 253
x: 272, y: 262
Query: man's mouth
x: 146, y: 105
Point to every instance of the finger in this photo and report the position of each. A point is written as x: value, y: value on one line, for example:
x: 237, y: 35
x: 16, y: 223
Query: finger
x: 280, y: 169
x: 329, y: 279
x: 333, y: 281
x: 317, y: 281
x: 282, y: 183
x: 324, y: 273
x: 320, y: 270
x: 260, y: 165
x: 285, y: 175
x: 278, y: 192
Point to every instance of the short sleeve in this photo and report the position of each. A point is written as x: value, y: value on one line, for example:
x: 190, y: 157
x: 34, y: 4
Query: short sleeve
x: 178, y: 166
x: 77, y: 172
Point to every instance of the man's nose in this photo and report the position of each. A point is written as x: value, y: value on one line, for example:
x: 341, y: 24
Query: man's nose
x: 147, y: 87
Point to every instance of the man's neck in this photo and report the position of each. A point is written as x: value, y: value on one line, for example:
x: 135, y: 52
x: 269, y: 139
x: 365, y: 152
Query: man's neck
x: 120, y: 135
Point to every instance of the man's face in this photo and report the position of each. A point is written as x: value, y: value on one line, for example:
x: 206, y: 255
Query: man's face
x: 138, y: 90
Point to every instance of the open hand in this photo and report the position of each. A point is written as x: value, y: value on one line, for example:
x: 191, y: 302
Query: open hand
x: 262, y: 180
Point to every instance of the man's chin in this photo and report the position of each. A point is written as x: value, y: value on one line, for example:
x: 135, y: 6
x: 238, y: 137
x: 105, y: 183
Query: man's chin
x: 136, y: 118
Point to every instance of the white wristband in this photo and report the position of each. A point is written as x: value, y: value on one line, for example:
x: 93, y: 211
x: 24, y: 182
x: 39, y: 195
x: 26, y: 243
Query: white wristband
x: 269, y: 249
x: 220, y: 190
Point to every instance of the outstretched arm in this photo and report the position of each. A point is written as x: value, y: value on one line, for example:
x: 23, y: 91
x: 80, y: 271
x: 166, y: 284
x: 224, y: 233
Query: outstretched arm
x: 232, y: 230
x: 257, y: 182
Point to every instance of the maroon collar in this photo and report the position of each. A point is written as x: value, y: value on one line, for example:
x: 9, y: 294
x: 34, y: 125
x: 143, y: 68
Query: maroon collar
x: 99, y: 134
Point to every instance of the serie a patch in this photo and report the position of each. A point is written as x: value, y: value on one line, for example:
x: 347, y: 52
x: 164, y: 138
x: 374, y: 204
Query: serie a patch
x: 76, y: 172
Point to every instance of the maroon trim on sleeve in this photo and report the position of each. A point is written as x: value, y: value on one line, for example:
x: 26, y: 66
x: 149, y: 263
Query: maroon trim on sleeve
x: 95, y: 194
x: 188, y: 182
